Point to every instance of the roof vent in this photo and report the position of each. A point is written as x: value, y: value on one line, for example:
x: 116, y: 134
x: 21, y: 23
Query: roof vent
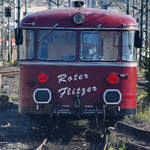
x: 78, y: 3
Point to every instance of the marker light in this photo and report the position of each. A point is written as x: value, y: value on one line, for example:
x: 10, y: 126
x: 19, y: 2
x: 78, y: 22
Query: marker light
x: 78, y: 18
x: 113, y: 78
x: 43, y: 77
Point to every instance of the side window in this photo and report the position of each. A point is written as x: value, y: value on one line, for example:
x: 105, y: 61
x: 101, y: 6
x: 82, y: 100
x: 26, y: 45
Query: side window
x: 128, y: 51
x: 27, y: 48
x: 91, y: 47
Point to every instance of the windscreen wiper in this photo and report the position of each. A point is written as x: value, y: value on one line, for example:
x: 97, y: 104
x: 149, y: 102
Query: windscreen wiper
x: 47, y: 33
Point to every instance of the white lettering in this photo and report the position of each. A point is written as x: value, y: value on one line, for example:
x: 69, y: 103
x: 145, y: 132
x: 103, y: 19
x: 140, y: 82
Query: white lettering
x: 94, y: 88
x: 78, y: 91
x: 68, y: 91
x: 80, y: 77
x: 89, y: 89
x: 62, y: 91
x: 83, y: 91
x: 73, y: 91
x: 62, y: 78
x: 86, y: 76
x: 75, y: 77
x: 70, y: 78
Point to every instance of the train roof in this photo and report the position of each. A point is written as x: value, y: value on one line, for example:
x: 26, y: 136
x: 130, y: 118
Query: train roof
x: 93, y: 18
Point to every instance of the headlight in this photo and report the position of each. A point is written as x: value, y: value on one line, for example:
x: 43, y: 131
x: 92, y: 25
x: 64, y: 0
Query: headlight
x: 42, y: 96
x: 112, y: 96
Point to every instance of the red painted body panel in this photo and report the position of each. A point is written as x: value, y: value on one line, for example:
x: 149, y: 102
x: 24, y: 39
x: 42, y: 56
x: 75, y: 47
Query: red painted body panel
x: 93, y: 17
x: 92, y: 81
x: 89, y: 81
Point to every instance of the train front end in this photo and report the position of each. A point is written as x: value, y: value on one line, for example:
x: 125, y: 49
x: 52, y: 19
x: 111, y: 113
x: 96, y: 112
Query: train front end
x: 78, y: 62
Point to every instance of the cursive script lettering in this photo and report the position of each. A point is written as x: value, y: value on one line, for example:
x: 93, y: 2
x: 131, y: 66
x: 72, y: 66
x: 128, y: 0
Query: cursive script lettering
x: 64, y: 78
x: 82, y: 91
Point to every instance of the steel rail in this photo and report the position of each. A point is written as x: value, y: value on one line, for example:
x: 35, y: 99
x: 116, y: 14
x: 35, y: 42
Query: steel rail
x: 134, y: 146
x: 9, y: 73
x: 136, y: 133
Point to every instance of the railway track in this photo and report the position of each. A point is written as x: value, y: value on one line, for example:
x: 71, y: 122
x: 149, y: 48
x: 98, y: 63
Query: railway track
x: 133, y: 146
x: 9, y: 73
x: 6, y: 72
x: 83, y: 142
x: 136, y: 133
x: 9, y: 81
x: 34, y: 134
x: 22, y: 132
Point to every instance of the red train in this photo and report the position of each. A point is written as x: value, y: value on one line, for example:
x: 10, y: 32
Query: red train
x: 78, y: 62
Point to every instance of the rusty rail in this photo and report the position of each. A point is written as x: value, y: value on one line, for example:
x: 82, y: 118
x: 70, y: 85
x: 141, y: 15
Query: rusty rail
x: 133, y: 146
x: 5, y: 73
x: 136, y: 133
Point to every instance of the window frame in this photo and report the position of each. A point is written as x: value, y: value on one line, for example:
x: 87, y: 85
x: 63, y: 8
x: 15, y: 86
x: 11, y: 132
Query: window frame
x: 101, y: 60
x: 134, y: 53
x: 75, y: 40
x: 78, y: 44
x: 81, y: 45
x: 33, y: 46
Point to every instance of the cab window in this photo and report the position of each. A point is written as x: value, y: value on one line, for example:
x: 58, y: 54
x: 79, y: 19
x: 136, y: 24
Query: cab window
x: 99, y: 45
x: 56, y: 45
x: 128, y: 50
x: 27, y: 48
x: 91, y: 48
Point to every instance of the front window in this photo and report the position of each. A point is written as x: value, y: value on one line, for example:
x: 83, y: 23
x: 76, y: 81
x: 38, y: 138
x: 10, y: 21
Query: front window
x: 56, y: 45
x: 99, y: 45
x: 128, y: 51
x: 27, y: 48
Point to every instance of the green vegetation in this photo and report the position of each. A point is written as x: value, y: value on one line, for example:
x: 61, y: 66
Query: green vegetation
x: 14, y: 97
x: 116, y: 144
x: 142, y: 117
x: 13, y: 63
x: 143, y: 107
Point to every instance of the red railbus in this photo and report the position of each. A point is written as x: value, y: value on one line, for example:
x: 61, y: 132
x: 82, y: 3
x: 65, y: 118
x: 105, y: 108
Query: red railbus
x: 78, y: 62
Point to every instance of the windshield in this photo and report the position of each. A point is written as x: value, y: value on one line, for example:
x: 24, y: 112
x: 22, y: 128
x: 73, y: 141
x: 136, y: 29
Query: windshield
x: 57, y: 45
x: 99, y: 45
x: 94, y: 45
